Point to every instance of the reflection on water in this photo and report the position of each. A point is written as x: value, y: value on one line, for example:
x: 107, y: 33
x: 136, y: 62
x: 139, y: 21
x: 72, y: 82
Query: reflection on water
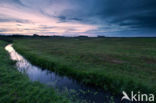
x: 60, y: 82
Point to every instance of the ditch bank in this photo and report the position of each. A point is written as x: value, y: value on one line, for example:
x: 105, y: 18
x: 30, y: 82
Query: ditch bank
x: 78, y: 91
x: 113, y: 83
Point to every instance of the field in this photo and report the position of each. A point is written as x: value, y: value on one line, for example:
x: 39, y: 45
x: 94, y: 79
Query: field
x: 113, y: 64
x: 17, y: 88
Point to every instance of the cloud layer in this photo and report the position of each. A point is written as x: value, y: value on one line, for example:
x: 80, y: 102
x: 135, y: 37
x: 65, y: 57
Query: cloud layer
x: 78, y: 17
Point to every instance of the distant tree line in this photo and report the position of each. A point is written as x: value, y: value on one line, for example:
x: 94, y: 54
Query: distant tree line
x: 2, y: 37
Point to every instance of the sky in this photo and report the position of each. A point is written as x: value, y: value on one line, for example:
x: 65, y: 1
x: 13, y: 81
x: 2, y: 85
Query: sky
x: 119, y: 18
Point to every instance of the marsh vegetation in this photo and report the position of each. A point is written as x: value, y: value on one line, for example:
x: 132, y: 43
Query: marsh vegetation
x: 109, y: 64
x: 113, y: 64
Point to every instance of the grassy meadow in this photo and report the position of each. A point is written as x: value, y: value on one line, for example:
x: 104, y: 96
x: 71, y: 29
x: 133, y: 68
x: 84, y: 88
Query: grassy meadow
x: 114, y: 64
x: 17, y: 88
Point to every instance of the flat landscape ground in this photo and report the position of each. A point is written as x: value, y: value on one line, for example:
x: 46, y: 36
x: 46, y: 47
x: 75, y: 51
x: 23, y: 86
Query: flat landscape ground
x: 111, y: 63
x: 17, y: 88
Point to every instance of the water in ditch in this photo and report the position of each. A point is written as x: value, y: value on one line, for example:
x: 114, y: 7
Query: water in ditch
x: 80, y: 92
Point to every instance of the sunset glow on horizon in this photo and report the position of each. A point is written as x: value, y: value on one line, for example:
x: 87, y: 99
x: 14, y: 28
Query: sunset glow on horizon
x: 77, y: 17
x: 28, y: 22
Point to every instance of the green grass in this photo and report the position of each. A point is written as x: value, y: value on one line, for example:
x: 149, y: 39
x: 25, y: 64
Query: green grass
x: 16, y: 87
x: 114, y: 64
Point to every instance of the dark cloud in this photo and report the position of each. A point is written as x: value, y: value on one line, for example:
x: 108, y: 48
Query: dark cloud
x: 139, y: 13
x: 14, y: 20
x: 3, y: 30
x: 62, y: 18
x: 46, y: 27
x: 112, y: 16
x: 129, y: 13
x: 16, y: 2
x: 68, y: 19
